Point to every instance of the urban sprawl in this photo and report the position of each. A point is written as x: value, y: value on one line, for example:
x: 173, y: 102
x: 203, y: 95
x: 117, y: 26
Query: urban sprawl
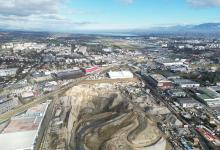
x: 62, y: 91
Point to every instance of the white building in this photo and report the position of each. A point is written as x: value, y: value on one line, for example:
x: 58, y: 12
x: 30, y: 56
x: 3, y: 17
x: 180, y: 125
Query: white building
x: 7, y: 46
x: 18, y: 91
x: 109, y: 49
x: 27, y: 94
x: 81, y: 49
x: 28, y: 45
x: 169, y: 62
x: 22, y: 131
x: 8, y: 72
x: 120, y: 74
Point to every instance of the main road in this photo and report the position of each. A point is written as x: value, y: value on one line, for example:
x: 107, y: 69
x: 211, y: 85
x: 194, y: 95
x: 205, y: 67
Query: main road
x: 44, y: 98
x: 157, y: 96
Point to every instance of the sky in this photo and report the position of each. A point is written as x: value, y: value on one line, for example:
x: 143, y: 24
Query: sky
x: 83, y: 15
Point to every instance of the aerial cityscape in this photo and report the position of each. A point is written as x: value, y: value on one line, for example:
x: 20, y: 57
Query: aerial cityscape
x: 110, y: 75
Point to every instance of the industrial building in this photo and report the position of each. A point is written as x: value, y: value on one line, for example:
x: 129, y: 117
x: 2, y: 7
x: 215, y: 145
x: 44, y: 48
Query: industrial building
x: 158, y: 80
x: 169, y: 62
x: 188, y: 102
x: 27, y: 95
x: 68, y: 74
x: 170, y: 75
x: 42, y: 78
x: 208, y: 96
x: 177, y: 92
x: 23, y: 130
x: 88, y: 70
x: 6, y: 104
x: 120, y: 74
x: 8, y: 72
x: 185, y: 83
x: 215, y: 88
x: 179, y: 68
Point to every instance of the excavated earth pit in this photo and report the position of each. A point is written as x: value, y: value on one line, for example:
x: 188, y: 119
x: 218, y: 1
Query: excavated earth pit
x: 102, y: 118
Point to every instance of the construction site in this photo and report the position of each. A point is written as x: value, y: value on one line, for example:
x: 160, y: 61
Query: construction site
x: 93, y: 116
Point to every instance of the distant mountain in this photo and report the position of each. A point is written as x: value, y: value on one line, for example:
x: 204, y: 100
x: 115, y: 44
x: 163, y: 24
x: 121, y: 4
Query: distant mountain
x: 205, y: 27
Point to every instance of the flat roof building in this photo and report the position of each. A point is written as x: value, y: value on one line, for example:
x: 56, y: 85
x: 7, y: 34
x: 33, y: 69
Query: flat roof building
x: 23, y: 129
x: 8, y: 72
x: 158, y: 80
x: 27, y: 94
x: 89, y: 70
x: 177, y: 92
x: 169, y: 62
x: 188, y: 102
x: 215, y: 88
x: 185, y: 83
x: 69, y: 74
x: 120, y: 74
x: 6, y: 104
x: 208, y: 96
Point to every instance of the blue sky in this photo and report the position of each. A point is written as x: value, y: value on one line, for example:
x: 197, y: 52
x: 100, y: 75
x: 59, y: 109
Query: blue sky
x: 71, y: 15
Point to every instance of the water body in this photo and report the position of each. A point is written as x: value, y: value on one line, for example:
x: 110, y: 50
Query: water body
x: 116, y: 34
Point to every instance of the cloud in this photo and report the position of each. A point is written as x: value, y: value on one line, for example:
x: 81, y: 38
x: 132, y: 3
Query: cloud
x: 204, y: 3
x: 51, y: 15
x: 28, y: 7
x: 41, y: 23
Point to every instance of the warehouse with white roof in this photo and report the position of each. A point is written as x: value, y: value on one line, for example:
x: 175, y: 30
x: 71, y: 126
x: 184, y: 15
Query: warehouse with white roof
x: 22, y: 131
x: 120, y: 74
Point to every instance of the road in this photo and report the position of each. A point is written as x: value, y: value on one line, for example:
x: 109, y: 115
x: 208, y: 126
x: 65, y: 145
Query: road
x: 45, y: 122
x: 155, y: 93
x: 108, y: 81
x: 44, y: 98
x: 34, y: 102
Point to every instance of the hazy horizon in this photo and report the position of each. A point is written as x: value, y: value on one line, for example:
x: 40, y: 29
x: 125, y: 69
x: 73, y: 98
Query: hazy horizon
x: 99, y: 15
